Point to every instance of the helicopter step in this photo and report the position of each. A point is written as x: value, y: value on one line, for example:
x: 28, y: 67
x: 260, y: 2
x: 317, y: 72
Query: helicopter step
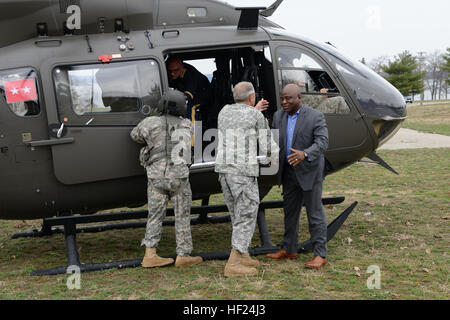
x: 69, y: 223
x: 49, y: 223
x: 202, y: 211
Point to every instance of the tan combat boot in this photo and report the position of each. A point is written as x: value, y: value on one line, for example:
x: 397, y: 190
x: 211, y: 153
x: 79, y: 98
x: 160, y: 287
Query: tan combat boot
x: 187, y: 261
x: 151, y: 259
x: 235, y: 266
x: 248, y: 261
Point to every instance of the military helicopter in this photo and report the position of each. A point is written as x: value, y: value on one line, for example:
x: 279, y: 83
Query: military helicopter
x: 76, y: 76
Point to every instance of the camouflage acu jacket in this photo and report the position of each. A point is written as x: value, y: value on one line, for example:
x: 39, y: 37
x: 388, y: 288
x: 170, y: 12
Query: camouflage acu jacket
x: 242, y: 129
x: 165, y: 155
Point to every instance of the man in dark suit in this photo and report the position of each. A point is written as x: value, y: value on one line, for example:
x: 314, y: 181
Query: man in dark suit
x: 303, y: 139
x: 186, y: 78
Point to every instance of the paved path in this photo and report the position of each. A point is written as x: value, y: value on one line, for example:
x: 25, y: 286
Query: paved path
x: 412, y: 139
x: 417, y: 103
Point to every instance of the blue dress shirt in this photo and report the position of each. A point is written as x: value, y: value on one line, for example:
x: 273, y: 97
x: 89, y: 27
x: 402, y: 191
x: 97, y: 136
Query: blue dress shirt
x: 292, y: 120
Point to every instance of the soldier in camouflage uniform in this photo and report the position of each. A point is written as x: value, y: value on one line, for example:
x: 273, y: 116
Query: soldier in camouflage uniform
x: 325, y: 104
x: 334, y: 105
x: 166, y: 158
x: 238, y: 170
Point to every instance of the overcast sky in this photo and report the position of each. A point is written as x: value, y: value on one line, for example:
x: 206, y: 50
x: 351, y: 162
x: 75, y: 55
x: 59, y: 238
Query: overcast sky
x: 366, y: 28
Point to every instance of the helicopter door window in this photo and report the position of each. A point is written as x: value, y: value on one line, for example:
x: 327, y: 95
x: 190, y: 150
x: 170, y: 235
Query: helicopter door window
x: 19, y: 91
x: 318, y: 89
x: 197, y: 12
x: 117, y: 93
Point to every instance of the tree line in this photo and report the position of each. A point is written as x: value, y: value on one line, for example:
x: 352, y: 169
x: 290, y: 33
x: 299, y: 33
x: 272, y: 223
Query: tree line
x: 414, y: 74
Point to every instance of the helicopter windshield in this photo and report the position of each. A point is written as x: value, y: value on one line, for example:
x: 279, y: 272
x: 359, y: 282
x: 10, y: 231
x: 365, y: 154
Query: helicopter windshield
x: 318, y: 89
x: 377, y: 96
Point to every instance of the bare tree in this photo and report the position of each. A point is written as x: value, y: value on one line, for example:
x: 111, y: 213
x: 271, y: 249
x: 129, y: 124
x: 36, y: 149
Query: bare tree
x: 435, y: 75
x: 445, y: 88
x: 446, y: 69
x: 421, y: 66
x: 376, y: 63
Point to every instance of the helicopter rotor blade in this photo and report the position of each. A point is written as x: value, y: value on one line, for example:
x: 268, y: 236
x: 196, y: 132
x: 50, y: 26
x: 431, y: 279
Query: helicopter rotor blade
x: 271, y: 10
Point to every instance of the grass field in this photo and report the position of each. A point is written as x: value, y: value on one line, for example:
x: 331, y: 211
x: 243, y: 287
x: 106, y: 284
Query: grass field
x: 429, y: 118
x: 401, y: 225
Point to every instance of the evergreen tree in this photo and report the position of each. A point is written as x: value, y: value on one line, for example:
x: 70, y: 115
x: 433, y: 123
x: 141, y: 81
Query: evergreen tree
x: 403, y: 74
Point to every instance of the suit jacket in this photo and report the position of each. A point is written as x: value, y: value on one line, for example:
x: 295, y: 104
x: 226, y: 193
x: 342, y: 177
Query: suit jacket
x: 311, y: 136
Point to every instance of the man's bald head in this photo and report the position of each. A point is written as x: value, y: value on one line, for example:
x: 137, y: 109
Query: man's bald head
x: 293, y: 89
x: 291, y: 98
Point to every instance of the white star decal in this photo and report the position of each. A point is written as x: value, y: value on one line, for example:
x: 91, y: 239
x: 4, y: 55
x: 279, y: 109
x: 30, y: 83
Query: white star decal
x: 26, y: 90
x: 14, y: 91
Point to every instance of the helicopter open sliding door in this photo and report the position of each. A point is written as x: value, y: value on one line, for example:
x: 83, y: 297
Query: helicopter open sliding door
x: 224, y: 66
x: 97, y: 106
x: 321, y: 90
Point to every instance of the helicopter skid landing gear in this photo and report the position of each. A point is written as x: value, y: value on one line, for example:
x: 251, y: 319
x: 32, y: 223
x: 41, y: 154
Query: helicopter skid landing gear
x: 70, y: 230
x: 332, y: 229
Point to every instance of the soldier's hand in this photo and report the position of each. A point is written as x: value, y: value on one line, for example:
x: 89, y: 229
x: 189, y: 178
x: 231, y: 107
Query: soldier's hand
x: 324, y: 90
x: 262, y: 105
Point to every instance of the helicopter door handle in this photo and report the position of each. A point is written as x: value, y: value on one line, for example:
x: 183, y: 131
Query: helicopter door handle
x: 60, y: 130
x: 211, y: 164
x: 52, y: 142
x: 203, y: 165
x: 48, y: 43
x: 170, y: 34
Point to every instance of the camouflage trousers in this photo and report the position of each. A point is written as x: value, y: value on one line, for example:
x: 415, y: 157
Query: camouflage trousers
x: 241, y: 195
x: 159, y: 193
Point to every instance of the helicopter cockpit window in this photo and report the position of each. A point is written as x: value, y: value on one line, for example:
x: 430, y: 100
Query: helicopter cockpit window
x: 116, y: 93
x: 19, y: 90
x: 318, y: 89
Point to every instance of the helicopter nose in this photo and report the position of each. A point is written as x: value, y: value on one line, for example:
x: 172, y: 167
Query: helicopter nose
x: 385, y: 110
x: 386, y: 129
x: 383, y: 106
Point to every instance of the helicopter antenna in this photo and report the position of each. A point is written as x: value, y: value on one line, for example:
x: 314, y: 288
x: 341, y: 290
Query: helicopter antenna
x: 271, y: 10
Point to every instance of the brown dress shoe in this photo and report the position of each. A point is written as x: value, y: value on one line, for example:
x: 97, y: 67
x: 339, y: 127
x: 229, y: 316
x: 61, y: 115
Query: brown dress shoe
x: 282, y: 254
x: 316, y: 263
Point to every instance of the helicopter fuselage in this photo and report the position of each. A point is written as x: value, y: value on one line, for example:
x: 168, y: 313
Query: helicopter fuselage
x: 68, y: 149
